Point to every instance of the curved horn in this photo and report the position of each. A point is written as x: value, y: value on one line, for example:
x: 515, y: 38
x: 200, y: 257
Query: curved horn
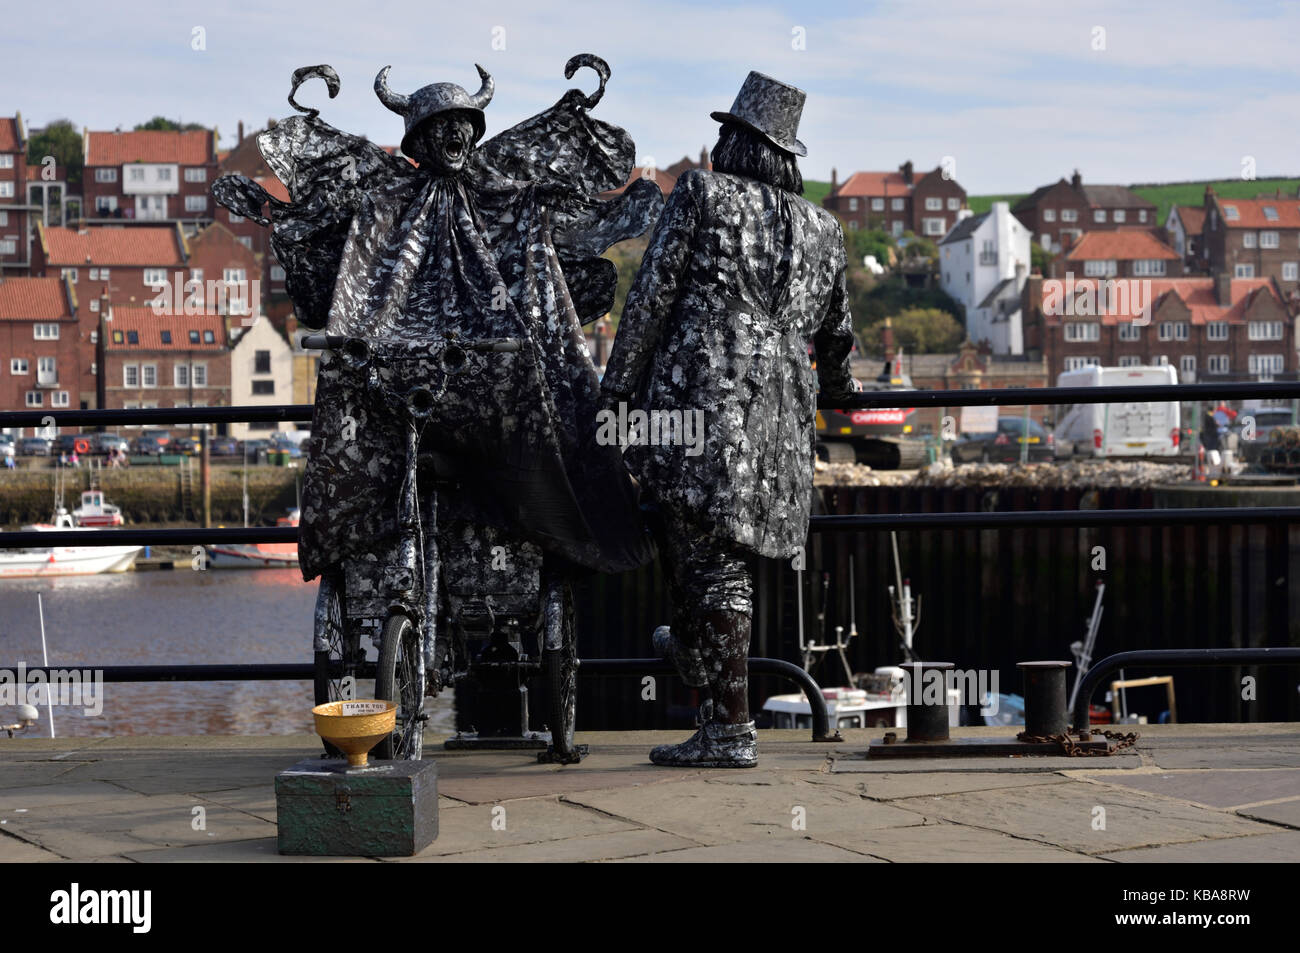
x: 484, y: 94
x: 394, y: 101
x: 300, y: 76
x: 595, y: 62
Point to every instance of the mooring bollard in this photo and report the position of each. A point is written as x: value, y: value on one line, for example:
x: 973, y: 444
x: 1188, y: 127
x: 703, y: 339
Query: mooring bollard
x: 927, y: 722
x: 1045, y: 713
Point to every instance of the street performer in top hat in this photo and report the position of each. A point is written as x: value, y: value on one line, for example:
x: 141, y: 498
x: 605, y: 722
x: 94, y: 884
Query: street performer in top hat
x: 740, y: 277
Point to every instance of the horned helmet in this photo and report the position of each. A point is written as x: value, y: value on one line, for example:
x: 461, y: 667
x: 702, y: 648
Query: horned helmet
x: 443, y: 121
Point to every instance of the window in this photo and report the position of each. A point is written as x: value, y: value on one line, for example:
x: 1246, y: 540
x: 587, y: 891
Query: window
x: 235, y: 219
x: 934, y: 204
x: 68, y: 273
x: 1216, y: 331
x: 853, y: 205
x: 1049, y: 215
x: 264, y: 387
x: 1142, y: 215
x: 181, y: 375
x: 93, y: 305
x: 896, y: 205
x: 6, y: 161
x: 1099, y: 215
x: 1077, y: 363
x: 232, y: 275
x: 8, y: 246
x: 1243, y: 271
x: 1270, y: 213
x: 133, y: 337
x: 6, y: 190
x: 277, y: 273
x: 1264, y: 331
x: 877, y: 205
x: 194, y: 337
x: 18, y: 365
x: 59, y: 398
x: 1248, y: 239
x: 1119, y: 215
x: 1082, y: 331
x: 1100, y: 268
x: 148, y: 375
x: 897, y: 228
x: 130, y: 373
x: 1187, y: 364
x: 1180, y: 330
x: 4, y: 218
x: 45, y: 332
x: 1165, y: 331
x: 261, y: 362
x: 164, y: 174
x: 136, y: 174
x: 1290, y: 271
x: 34, y: 398
x: 1217, y: 364
x: 166, y: 336
x: 1130, y: 360
x: 1148, y: 267
x: 1128, y: 331
x: 154, y: 277
x: 954, y: 205
x: 932, y: 226
x: 118, y: 337
x: 105, y: 175
x: 209, y: 337
x: 1265, y: 365
x: 196, y: 175
x: 105, y: 204
x: 1230, y: 213
x: 94, y: 274
x: 1069, y: 215
x: 246, y: 241
x: 199, y: 374
x: 196, y: 203
x: 1268, y: 240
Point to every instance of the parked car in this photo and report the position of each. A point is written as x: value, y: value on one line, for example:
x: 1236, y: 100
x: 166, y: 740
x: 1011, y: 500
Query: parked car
x: 160, y: 437
x: 109, y: 442
x: 1004, y: 445
x: 251, y: 448
x: 34, y: 447
x: 285, y: 445
x: 7, y: 444
x: 189, y: 446
x: 146, y: 446
x: 223, y: 447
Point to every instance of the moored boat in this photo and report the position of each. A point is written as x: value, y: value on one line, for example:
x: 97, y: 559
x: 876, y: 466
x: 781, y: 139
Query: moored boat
x: 64, y: 560
x: 94, y: 512
x: 259, y: 554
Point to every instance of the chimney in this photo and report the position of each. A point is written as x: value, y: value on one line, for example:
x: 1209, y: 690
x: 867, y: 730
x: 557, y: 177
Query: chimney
x: 1223, y: 289
x: 835, y: 181
x: 906, y: 169
x: 704, y: 157
x: 240, y: 133
x: 1076, y: 181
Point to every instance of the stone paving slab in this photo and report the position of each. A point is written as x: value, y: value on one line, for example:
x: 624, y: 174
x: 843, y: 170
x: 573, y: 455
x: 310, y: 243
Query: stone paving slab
x: 532, y: 821
x: 1221, y: 789
x: 262, y: 850
x: 615, y: 845
x: 1267, y: 848
x: 889, y: 787
x: 1065, y: 814
x: 1286, y: 813
x: 952, y: 843
x: 769, y: 850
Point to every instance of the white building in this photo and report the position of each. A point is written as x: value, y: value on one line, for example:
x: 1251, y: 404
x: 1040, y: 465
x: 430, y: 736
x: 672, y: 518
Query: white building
x: 984, y: 263
x: 261, y: 372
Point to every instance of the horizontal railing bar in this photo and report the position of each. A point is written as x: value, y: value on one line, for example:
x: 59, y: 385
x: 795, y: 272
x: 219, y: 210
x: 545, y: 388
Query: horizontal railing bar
x: 1168, y: 658
x: 852, y: 523
x: 1001, y: 396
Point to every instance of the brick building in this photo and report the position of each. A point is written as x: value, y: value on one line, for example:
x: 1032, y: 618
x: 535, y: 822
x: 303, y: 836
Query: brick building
x: 122, y: 264
x: 666, y: 177
x: 1253, y: 238
x: 15, y: 212
x: 217, y: 254
x: 1209, y: 328
x: 150, y: 176
x: 166, y: 360
x: 1124, y: 254
x: 1183, y: 226
x: 246, y: 159
x: 1057, y: 215
x: 896, y: 202
x: 971, y: 368
x: 39, y: 353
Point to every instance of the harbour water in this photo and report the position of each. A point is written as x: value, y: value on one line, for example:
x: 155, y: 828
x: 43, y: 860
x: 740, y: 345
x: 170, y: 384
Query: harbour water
x: 236, y: 616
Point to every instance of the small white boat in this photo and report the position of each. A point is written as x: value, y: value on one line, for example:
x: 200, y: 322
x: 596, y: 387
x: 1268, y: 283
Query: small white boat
x: 64, y: 560
x: 275, y: 555
x: 94, y: 512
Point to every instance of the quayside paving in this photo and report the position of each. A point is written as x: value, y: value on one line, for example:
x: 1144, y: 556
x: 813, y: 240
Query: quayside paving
x: 1185, y: 793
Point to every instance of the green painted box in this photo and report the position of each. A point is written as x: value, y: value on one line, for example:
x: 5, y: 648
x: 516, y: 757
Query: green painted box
x: 389, y: 809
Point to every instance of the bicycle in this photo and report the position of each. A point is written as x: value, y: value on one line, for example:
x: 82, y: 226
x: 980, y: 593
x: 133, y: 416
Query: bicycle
x: 427, y: 627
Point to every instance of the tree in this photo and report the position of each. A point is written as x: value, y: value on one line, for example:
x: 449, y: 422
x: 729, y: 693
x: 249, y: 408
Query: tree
x: 61, y: 140
x: 1040, y: 258
x: 858, y: 243
x: 918, y: 248
x: 163, y: 124
x: 917, y: 330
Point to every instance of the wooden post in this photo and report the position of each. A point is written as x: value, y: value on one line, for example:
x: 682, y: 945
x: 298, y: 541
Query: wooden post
x: 205, y: 476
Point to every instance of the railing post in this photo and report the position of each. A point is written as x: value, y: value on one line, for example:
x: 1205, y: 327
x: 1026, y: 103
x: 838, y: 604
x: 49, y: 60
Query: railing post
x: 205, y: 475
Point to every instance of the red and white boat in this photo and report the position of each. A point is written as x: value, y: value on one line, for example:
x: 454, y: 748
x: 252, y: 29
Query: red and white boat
x: 260, y: 554
x: 94, y: 512
x: 64, y: 560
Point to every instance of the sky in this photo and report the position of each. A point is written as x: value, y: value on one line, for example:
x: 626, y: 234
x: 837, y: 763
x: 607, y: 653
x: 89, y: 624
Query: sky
x: 1017, y: 94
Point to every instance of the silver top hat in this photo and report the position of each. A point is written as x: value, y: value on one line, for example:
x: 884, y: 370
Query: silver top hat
x: 770, y: 108
x: 434, y: 99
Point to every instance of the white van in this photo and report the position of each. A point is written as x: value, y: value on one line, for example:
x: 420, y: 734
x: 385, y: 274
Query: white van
x: 1138, y: 429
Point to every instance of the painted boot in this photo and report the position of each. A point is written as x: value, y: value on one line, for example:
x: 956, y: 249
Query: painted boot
x: 713, y: 746
x: 685, y: 658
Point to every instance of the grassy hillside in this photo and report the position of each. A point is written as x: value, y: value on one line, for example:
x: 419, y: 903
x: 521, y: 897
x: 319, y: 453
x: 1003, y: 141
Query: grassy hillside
x: 1193, y: 193
x: 815, y: 191
x: 979, y: 204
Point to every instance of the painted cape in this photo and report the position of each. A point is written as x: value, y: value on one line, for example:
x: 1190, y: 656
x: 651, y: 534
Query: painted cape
x: 507, y: 248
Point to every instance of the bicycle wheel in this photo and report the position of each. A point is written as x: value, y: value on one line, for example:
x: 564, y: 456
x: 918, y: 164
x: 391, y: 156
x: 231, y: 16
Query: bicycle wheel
x: 335, y: 659
x: 399, y: 680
